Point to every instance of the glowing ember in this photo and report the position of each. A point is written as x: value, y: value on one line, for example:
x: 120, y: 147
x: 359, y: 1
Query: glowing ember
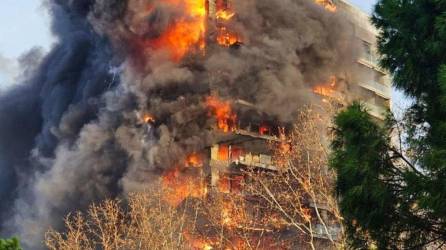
x: 328, y: 4
x: 226, y: 118
x: 186, y: 33
x: 148, y: 119
x: 264, y: 130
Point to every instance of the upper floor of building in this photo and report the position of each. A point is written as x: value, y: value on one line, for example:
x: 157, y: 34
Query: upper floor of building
x: 374, y: 82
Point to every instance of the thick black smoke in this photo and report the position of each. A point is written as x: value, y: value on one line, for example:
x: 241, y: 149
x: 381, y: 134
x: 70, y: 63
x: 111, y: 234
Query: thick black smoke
x: 59, y: 96
x: 72, y: 132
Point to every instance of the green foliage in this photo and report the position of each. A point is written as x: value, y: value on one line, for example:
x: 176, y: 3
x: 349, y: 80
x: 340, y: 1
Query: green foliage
x: 394, y: 197
x: 10, y: 244
x: 375, y: 196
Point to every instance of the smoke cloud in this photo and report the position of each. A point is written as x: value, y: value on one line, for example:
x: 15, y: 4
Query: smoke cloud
x: 72, y: 130
x: 8, y: 70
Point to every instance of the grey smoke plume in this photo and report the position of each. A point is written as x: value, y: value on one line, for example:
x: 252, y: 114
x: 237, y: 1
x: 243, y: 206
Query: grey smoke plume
x: 8, y: 70
x: 71, y: 133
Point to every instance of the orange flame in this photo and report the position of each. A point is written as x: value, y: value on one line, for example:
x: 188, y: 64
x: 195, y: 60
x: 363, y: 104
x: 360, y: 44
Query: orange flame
x: 226, y: 118
x: 225, y: 37
x: 233, y: 213
x: 326, y: 89
x: 187, y: 33
x: 230, y: 183
x: 194, y: 160
x: 179, y: 183
x: 196, y: 242
x: 328, y: 5
x: 224, y: 14
x: 223, y: 152
x: 148, y: 118
x: 284, y: 149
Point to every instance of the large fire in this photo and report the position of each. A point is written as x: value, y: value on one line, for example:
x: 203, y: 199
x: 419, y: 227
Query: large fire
x: 186, y: 33
x: 222, y: 111
x: 225, y: 36
x: 184, y: 181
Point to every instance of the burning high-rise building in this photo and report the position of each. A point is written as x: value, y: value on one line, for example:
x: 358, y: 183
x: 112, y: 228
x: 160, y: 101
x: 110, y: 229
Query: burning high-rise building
x: 251, y: 137
x: 189, y: 92
x: 370, y: 84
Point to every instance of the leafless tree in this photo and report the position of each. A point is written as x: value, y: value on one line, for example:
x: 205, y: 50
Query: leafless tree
x: 146, y: 222
x: 300, y: 193
x: 293, y: 205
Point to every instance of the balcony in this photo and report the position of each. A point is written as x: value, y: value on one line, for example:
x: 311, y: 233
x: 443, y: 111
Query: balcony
x: 376, y: 110
x: 320, y: 232
x: 380, y: 89
x: 371, y: 62
x: 223, y: 156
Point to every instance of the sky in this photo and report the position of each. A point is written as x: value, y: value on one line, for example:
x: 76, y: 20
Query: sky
x: 24, y: 24
x: 365, y: 5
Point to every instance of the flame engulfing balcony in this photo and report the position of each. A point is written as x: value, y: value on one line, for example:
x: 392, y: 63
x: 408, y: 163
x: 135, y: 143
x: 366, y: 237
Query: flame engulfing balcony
x: 248, y: 143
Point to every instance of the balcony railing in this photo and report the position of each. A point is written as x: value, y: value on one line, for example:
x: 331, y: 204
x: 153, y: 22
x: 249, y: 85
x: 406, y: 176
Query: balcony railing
x: 380, y: 89
x: 319, y: 231
x: 376, y: 110
x: 371, y: 63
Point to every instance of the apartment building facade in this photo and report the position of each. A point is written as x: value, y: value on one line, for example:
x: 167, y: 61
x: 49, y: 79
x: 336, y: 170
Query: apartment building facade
x: 374, y: 83
x: 249, y: 144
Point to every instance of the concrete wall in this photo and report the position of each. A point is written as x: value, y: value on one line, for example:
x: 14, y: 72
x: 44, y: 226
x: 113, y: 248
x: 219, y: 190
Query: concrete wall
x: 374, y: 83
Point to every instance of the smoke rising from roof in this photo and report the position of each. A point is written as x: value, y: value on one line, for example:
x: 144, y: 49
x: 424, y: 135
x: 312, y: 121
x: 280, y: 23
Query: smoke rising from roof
x: 71, y: 133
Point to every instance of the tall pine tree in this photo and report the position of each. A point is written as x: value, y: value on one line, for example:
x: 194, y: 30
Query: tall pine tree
x: 394, y: 196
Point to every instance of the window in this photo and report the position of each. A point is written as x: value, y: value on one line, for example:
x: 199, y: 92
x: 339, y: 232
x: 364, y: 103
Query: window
x: 367, y: 51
